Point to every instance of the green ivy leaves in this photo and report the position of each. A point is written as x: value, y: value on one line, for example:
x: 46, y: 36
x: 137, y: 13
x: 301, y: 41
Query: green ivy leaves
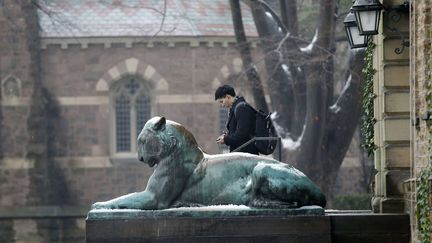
x: 367, y: 120
x: 422, y: 206
x: 423, y: 193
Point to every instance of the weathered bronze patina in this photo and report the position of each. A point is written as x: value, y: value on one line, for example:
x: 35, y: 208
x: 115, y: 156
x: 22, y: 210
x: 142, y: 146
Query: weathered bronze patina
x: 186, y: 176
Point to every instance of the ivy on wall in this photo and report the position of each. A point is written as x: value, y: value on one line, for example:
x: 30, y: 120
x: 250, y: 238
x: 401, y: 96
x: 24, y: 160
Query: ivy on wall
x: 423, y: 190
x: 367, y: 120
x: 422, y: 205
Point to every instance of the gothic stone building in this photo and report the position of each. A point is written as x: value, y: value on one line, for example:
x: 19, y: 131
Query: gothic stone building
x: 79, y: 78
x: 78, y: 81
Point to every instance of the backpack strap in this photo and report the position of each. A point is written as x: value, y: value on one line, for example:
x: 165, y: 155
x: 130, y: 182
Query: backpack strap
x: 245, y: 103
x: 248, y: 105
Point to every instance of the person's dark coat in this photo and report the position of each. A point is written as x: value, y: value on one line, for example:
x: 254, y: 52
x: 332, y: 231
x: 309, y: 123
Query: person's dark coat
x: 241, y: 126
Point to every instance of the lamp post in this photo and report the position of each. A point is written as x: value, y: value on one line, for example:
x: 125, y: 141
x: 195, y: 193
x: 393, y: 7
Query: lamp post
x: 367, y: 14
x: 356, y: 40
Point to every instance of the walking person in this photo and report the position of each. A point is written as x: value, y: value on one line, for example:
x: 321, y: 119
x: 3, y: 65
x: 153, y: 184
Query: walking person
x: 241, y: 120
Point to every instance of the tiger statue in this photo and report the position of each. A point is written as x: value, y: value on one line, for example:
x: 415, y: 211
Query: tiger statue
x: 185, y: 176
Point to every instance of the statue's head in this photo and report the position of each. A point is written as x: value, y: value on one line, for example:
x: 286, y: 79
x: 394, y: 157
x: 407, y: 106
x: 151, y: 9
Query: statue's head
x: 160, y: 138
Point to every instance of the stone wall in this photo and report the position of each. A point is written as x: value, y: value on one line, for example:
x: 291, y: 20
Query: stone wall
x: 41, y: 228
x: 392, y: 113
x: 76, y: 72
x: 421, y: 35
x: 422, y: 65
x: 15, y: 66
x: 84, y: 185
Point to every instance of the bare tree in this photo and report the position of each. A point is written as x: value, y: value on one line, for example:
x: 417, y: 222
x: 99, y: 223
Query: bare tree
x: 300, y: 81
x: 300, y: 85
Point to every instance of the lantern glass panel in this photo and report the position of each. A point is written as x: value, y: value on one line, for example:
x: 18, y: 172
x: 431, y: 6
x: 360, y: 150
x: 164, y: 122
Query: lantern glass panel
x: 356, y: 37
x: 368, y: 21
x: 356, y: 40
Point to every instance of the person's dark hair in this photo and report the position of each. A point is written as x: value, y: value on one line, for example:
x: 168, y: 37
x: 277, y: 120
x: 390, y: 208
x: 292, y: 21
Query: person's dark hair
x: 224, y: 90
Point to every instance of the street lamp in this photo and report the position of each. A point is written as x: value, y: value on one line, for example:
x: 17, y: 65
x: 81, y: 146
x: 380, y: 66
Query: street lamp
x: 364, y: 17
x: 367, y: 14
x: 355, y: 39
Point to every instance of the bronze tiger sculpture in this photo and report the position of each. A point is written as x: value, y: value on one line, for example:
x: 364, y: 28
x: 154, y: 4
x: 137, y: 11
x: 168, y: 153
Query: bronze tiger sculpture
x: 186, y: 176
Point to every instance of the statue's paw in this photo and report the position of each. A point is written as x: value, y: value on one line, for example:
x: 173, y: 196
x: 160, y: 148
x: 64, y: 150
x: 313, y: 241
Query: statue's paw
x: 268, y: 203
x: 102, y: 205
x: 97, y: 205
x: 116, y: 205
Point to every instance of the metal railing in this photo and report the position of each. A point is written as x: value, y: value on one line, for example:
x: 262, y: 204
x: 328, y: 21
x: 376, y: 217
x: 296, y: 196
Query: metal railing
x: 278, y: 146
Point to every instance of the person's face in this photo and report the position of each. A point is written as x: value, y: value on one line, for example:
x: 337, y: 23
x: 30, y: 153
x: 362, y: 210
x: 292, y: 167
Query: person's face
x: 225, y: 101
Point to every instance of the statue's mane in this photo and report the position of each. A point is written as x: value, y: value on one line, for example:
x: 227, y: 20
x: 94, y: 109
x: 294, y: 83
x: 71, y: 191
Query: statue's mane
x: 189, y: 137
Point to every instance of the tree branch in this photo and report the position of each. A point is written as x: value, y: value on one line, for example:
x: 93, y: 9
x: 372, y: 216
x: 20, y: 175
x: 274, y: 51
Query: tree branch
x: 329, y: 64
x: 244, y: 48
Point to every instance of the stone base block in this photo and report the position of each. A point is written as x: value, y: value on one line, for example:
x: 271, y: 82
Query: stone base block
x: 218, y: 224
x: 309, y: 224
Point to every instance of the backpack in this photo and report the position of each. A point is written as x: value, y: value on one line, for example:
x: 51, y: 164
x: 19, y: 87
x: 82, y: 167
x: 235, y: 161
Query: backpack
x: 264, y: 128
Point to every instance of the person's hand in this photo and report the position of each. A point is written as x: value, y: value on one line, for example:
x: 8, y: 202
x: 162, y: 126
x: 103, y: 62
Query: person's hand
x: 220, y: 139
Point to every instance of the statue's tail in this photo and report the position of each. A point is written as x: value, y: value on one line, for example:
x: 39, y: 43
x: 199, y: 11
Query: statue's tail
x: 320, y: 200
x: 316, y: 196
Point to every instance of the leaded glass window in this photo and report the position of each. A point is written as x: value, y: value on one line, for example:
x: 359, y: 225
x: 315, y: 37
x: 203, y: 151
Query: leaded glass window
x: 123, y: 126
x: 223, y: 119
x: 132, y: 107
x: 143, y: 112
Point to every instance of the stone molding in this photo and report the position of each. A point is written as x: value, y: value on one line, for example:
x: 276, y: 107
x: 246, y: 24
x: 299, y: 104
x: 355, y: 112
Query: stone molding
x: 19, y: 163
x: 43, y: 212
x: 226, y: 71
x: 104, y: 100
x: 149, y: 42
x: 132, y: 66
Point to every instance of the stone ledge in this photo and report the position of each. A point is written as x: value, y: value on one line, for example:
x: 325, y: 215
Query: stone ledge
x: 371, y: 228
x: 148, y: 42
x: 43, y: 212
x: 200, y: 212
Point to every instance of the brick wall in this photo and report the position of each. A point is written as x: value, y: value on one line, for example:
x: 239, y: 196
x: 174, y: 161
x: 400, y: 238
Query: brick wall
x: 75, y: 72
x: 16, y: 61
x: 35, y: 229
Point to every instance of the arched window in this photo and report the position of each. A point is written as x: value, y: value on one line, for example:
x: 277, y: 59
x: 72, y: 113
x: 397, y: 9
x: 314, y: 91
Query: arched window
x: 223, y: 119
x: 132, y: 108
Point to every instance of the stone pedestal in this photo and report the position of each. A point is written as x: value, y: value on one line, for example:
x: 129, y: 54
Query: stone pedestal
x: 243, y: 224
x: 209, y: 224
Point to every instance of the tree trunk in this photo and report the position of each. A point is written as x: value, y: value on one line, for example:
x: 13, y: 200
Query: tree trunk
x: 244, y: 48
x: 289, y: 16
x: 344, y: 117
